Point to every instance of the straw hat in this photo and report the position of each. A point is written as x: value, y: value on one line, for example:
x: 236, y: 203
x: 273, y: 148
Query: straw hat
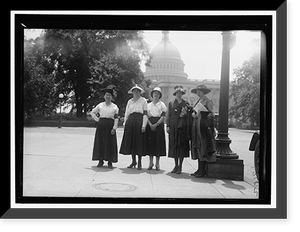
x: 158, y: 90
x: 136, y: 87
x: 203, y: 88
x: 178, y: 88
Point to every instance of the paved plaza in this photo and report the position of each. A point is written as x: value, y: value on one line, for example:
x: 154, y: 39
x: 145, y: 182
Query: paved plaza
x: 57, y: 163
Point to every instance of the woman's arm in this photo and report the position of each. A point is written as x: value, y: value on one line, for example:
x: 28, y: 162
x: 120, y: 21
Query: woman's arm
x: 94, y: 113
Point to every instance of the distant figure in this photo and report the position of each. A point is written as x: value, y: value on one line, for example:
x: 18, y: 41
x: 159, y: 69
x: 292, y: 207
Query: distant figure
x: 135, y: 121
x: 105, y: 142
x: 156, y: 142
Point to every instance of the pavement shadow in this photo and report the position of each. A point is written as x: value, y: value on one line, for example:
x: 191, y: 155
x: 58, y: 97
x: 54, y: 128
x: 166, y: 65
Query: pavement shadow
x: 231, y: 185
x: 183, y: 175
x: 155, y: 172
x: 102, y: 169
x: 133, y: 170
x: 202, y: 180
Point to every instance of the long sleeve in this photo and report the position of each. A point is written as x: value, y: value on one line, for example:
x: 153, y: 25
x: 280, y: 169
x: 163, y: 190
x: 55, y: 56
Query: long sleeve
x: 116, y: 118
x: 145, y: 114
x: 126, y: 112
x: 168, y: 115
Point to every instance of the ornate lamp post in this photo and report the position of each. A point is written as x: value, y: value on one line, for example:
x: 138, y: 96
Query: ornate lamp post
x: 61, y: 96
x: 223, y: 141
x: 228, y: 165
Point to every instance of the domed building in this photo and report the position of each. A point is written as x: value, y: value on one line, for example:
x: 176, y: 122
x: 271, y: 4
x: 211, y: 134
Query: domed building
x: 166, y: 70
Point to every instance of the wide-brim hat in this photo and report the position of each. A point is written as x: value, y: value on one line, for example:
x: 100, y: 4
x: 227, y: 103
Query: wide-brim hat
x: 178, y: 88
x: 136, y: 87
x: 158, y: 90
x: 203, y: 88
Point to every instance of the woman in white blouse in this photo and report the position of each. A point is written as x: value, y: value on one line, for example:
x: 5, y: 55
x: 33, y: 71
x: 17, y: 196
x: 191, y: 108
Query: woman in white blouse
x: 135, y: 121
x: 156, y: 142
x: 105, y: 142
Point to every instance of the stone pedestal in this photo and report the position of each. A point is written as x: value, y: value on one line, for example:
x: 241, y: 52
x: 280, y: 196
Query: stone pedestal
x: 232, y: 169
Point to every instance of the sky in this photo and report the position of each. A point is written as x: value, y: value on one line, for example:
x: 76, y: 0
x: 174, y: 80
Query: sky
x: 201, y: 52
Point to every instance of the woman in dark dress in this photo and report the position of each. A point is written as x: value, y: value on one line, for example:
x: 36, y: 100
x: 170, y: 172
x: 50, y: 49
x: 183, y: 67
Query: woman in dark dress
x: 156, y: 142
x: 135, y: 121
x: 105, y: 142
x: 177, y: 127
x: 203, y: 132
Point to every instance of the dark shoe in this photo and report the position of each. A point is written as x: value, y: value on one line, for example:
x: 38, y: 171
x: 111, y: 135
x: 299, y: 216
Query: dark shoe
x: 200, y: 175
x: 139, y: 166
x: 195, y: 173
x: 132, y: 165
x: 150, y: 167
x: 157, y: 168
x: 100, y: 164
x: 201, y: 172
x: 110, y: 165
x: 174, y: 169
x: 179, y: 170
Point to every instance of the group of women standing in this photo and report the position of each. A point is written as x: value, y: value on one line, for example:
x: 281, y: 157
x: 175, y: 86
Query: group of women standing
x: 189, y: 128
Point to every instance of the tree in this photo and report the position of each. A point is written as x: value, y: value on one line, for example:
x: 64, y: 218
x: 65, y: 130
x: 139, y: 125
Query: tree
x: 38, y: 80
x: 84, y: 61
x: 245, y: 92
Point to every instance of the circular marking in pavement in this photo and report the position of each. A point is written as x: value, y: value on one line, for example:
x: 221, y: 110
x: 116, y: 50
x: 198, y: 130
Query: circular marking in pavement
x: 115, y: 187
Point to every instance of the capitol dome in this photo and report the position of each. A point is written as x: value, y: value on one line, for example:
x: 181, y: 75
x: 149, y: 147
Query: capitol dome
x: 165, y: 48
x: 166, y: 63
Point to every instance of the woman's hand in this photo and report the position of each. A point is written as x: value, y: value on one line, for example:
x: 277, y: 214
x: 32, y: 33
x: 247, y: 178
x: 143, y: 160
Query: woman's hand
x: 113, y: 131
x: 153, y: 127
x: 143, y: 129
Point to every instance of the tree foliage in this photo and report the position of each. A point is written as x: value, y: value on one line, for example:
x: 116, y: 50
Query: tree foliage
x: 245, y: 92
x: 79, y: 63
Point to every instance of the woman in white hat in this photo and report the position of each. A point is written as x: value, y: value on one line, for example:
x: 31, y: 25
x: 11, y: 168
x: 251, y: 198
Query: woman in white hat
x: 105, y: 142
x: 203, y: 133
x: 156, y: 143
x: 135, y: 121
x: 177, y: 127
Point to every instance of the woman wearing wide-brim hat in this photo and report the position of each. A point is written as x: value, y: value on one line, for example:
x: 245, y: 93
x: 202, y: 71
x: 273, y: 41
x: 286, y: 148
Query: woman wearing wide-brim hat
x: 135, y: 121
x: 156, y: 143
x: 203, y: 132
x: 177, y: 127
x: 105, y: 142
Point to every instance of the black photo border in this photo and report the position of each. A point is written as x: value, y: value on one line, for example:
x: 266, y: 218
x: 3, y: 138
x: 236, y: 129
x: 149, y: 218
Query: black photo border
x: 206, y: 23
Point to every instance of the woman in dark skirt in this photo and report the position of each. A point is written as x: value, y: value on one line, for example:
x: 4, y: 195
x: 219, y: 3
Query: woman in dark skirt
x: 105, y: 142
x: 156, y: 142
x: 135, y: 120
x: 178, y: 129
x: 203, y: 132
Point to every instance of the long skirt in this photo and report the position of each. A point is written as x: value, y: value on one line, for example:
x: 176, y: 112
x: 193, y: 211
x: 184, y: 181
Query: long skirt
x: 202, y: 142
x: 156, y: 140
x: 178, y: 139
x: 105, y: 144
x: 134, y: 140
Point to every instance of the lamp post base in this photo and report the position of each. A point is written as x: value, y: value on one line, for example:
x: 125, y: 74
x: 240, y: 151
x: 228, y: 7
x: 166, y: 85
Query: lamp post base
x: 223, y: 150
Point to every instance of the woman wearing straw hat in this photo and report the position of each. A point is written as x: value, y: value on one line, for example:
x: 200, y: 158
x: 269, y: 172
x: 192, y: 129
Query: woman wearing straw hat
x: 177, y: 127
x: 203, y: 132
x: 135, y: 121
x: 156, y: 143
x: 105, y: 142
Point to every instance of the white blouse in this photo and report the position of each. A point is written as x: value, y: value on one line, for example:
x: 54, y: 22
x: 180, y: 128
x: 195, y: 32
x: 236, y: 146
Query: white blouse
x: 138, y: 106
x: 155, y: 110
x: 105, y: 111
